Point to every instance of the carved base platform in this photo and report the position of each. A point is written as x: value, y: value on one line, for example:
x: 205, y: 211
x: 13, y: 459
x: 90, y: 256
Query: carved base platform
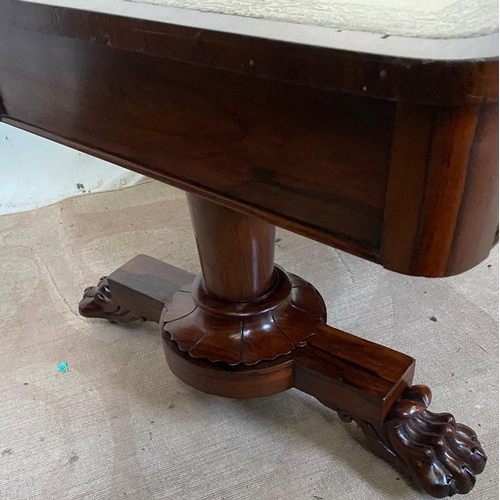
x: 280, y: 340
x: 244, y: 332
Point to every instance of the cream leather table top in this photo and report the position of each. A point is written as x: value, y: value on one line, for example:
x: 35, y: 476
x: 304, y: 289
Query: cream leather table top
x: 423, y: 18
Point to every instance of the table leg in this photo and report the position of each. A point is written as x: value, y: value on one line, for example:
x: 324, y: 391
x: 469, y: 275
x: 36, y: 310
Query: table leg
x: 371, y: 384
x: 246, y: 328
x: 136, y: 291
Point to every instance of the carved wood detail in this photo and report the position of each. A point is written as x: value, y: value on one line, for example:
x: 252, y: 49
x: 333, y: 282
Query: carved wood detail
x: 249, y: 332
x: 441, y: 455
x: 98, y: 302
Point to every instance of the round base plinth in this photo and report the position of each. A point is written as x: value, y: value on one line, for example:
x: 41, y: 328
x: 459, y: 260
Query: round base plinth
x: 239, y: 382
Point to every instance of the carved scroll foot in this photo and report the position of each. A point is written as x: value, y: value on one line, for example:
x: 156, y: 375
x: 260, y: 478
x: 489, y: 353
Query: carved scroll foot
x: 98, y: 302
x: 442, y: 456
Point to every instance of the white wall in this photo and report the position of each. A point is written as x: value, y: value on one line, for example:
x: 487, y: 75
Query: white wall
x: 35, y: 172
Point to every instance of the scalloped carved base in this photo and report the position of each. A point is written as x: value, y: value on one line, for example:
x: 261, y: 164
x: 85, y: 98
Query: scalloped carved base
x: 98, y: 302
x: 442, y: 456
x: 244, y: 333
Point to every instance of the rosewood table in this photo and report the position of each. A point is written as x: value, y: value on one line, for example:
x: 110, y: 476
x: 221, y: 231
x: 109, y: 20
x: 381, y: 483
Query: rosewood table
x: 382, y: 145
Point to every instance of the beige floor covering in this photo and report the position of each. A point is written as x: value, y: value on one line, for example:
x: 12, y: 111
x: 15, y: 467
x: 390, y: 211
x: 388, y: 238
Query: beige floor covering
x: 120, y: 425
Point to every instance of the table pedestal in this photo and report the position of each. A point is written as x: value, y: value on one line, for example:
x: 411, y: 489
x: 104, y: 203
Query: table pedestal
x: 246, y: 328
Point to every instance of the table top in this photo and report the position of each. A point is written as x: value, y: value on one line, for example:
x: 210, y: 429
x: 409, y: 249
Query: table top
x: 422, y: 19
x: 430, y: 30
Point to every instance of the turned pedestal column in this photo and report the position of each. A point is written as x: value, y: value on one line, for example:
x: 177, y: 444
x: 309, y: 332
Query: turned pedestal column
x: 241, y: 311
x: 236, y: 251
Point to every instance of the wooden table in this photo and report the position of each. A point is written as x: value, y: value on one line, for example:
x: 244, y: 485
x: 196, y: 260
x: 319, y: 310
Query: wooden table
x: 385, y: 147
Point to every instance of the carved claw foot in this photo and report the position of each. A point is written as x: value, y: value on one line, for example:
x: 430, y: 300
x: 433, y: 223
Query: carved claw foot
x: 97, y: 302
x: 443, y: 457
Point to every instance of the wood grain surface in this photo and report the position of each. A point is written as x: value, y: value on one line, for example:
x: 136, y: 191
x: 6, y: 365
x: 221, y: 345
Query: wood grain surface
x: 236, y: 251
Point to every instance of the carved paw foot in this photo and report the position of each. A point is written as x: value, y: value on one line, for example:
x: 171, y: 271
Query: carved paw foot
x: 443, y: 456
x: 97, y: 302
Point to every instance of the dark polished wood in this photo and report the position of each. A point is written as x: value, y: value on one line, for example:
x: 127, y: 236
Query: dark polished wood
x: 139, y: 290
x: 236, y: 251
x: 238, y: 382
x: 244, y: 332
x: 241, y: 309
x: 399, y: 168
x: 443, y: 179
x: 352, y: 375
x: 98, y: 302
x: 441, y: 455
x: 371, y: 385
x: 145, y: 285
